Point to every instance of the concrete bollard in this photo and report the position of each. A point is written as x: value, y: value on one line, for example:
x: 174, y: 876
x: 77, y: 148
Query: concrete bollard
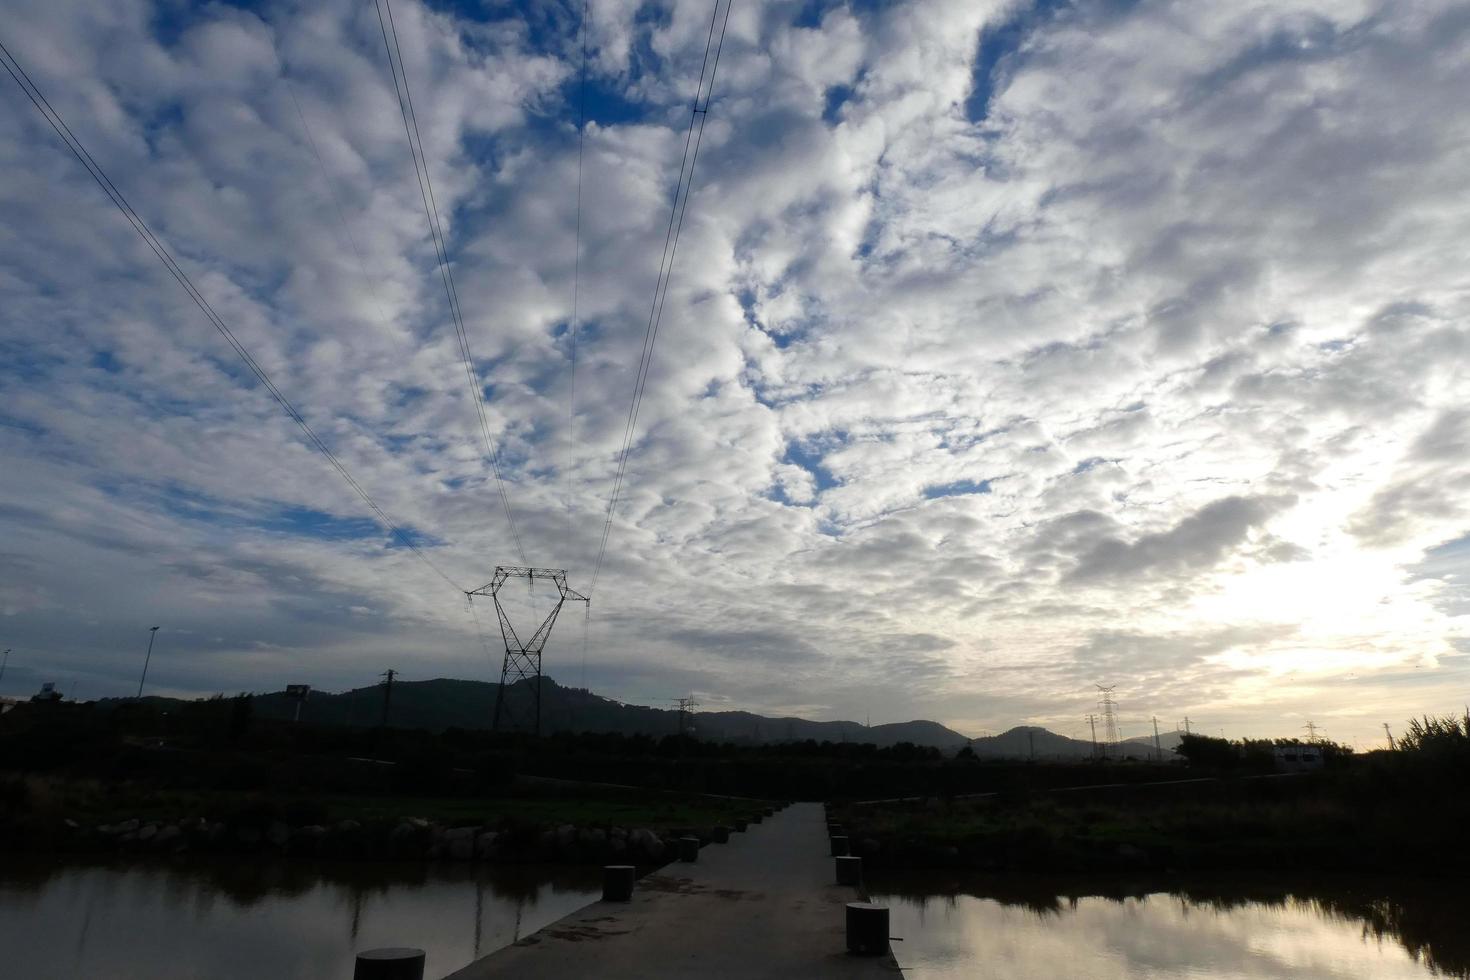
x: 849, y: 870
x: 740, y: 825
x: 867, y: 928
x: 396, y: 963
x: 839, y: 846
x: 688, y: 848
x: 617, y: 882
x: 720, y: 834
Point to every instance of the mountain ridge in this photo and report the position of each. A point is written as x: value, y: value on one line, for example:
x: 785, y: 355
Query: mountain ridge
x: 442, y: 703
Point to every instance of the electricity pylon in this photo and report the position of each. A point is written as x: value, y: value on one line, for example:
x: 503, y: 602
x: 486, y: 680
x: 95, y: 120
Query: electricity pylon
x: 1109, y: 719
x: 686, y: 711
x: 523, y: 660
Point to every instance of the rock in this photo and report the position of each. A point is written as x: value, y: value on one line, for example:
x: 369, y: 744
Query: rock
x: 347, y: 827
x: 248, y: 836
x: 592, y: 838
x: 278, y: 833
x: 217, y: 832
x: 127, y: 826
x: 1132, y: 854
x: 462, y: 849
x: 617, y: 848
x: 460, y: 833
x: 618, y: 833
x: 169, y: 836
x: 485, y: 844
x: 311, y: 832
x: 148, y: 832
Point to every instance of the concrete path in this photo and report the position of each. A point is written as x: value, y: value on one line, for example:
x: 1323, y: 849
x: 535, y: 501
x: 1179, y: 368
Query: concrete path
x: 763, y: 905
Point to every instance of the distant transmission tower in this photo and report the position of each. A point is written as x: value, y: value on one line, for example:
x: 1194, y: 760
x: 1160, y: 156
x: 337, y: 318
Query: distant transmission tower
x: 1391, y: 747
x: 1312, y: 729
x: 686, y: 711
x: 1109, y: 709
x: 523, y: 660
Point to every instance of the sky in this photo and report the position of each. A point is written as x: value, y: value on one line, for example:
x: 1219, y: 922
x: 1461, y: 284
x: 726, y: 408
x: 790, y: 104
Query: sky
x: 1009, y: 349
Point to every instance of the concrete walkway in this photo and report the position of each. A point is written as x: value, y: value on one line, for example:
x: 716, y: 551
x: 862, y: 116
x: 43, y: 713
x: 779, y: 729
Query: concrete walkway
x: 763, y: 905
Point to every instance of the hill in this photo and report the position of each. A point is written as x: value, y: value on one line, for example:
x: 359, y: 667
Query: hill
x: 448, y: 703
x: 1030, y: 742
x: 443, y: 703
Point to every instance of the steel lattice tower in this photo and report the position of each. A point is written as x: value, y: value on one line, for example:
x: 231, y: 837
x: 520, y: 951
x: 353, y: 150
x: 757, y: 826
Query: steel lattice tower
x: 1109, y: 717
x: 523, y: 660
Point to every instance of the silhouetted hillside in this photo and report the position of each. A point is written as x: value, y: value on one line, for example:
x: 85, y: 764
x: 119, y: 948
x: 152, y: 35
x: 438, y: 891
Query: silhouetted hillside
x: 435, y: 705
x: 1026, y: 742
x: 447, y: 703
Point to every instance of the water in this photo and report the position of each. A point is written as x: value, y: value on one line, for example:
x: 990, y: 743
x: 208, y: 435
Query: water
x: 1032, y: 928
x: 223, y: 920
x: 268, y: 919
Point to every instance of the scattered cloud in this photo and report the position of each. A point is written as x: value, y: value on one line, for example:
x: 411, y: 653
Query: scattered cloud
x: 1007, y: 344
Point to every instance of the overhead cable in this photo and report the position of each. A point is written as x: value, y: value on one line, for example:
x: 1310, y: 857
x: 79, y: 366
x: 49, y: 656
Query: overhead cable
x: 576, y: 282
x: 677, y: 211
x: 441, y: 250
x: 57, y: 123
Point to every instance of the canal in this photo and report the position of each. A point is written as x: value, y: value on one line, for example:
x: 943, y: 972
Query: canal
x: 1176, y: 927
x: 287, y: 920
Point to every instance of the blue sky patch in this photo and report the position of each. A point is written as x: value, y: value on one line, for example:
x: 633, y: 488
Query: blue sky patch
x: 798, y: 455
x: 837, y: 96
x: 959, y: 488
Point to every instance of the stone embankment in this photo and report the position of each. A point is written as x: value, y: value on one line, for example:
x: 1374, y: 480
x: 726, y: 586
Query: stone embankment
x: 408, y: 838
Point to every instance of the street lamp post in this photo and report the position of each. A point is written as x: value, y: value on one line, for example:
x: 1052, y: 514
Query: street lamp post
x: 152, y: 632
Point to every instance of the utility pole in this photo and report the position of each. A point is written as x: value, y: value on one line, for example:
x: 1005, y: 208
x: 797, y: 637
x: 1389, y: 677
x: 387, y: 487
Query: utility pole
x: 389, y: 674
x: 1092, y: 723
x: 1031, y: 740
x: 1158, y: 749
x: 152, y: 632
x: 1391, y: 747
x: 3, y: 661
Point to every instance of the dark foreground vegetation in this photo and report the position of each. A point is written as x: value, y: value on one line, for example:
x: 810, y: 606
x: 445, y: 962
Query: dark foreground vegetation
x: 212, y: 775
x: 1400, y: 811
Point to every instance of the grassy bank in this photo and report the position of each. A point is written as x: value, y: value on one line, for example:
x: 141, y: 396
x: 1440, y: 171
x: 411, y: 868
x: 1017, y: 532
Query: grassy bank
x: 1402, y: 811
x: 44, y: 798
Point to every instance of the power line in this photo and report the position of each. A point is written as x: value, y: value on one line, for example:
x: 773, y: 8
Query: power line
x: 666, y: 267
x: 441, y: 251
x: 576, y: 285
x: 57, y: 123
